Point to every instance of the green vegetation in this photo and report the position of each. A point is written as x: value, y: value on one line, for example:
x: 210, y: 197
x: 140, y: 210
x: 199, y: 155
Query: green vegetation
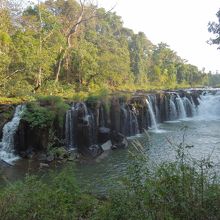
x: 184, y: 188
x: 57, y: 198
x: 44, y: 111
x: 63, y: 48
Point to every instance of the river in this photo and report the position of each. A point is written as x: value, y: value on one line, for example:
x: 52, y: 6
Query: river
x: 202, y: 131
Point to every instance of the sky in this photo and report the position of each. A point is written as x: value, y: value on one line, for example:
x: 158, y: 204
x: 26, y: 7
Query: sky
x: 182, y: 24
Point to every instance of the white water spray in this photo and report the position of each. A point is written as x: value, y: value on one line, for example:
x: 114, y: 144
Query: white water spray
x: 180, y: 106
x: 173, y: 112
x: 209, y: 107
x: 9, y: 130
x: 152, y: 115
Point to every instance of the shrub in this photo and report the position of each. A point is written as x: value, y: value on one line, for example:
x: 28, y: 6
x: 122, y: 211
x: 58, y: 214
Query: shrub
x: 58, y: 197
x: 43, y: 112
x: 38, y: 116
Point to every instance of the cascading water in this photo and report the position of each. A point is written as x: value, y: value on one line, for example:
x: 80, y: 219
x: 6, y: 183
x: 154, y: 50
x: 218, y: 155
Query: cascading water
x: 101, y: 117
x: 152, y: 115
x: 9, y: 130
x: 180, y: 108
x: 69, y: 128
x: 209, y: 107
x: 173, y: 111
x: 153, y: 101
x: 124, y: 120
x: 135, y: 127
x: 189, y: 107
x: 129, y: 123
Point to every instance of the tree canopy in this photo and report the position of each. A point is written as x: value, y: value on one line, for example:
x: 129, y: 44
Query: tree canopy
x: 56, y: 45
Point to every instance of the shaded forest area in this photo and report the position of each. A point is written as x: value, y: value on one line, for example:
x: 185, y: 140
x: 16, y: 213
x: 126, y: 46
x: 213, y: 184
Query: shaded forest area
x: 61, y: 47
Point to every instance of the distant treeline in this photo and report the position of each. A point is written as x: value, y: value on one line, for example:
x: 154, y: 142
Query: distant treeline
x: 67, y: 45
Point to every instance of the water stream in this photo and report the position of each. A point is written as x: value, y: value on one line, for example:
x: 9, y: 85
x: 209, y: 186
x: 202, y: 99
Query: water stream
x: 7, y: 143
x: 152, y: 114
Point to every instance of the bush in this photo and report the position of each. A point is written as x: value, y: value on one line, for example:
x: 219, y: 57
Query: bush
x: 56, y: 198
x: 38, y: 116
x: 43, y: 112
x: 181, y: 189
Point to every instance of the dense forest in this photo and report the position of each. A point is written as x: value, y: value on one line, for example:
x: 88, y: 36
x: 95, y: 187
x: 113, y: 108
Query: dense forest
x: 63, y: 46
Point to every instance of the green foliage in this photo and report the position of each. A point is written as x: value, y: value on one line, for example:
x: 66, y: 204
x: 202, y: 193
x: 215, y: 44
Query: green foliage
x: 98, y: 95
x: 43, y: 113
x: 39, y: 54
x: 56, y: 198
x: 181, y: 189
x: 213, y: 27
x: 38, y: 116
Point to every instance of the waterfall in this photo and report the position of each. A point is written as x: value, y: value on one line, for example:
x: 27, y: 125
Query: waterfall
x: 9, y: 130
x: 124, y: 120
x: 129, y: 123
x: 152, y: 115
x: 101, y: 117
x: 154, y: 105
x: 173, y: 111
x: 134, y: 122
x: 180, y: 107
x: 189, y: 107
x: 209, y: 108
x: 86, y: 119
x: 69, y: 128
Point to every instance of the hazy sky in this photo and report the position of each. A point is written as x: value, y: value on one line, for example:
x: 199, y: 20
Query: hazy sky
x: 182, y: 24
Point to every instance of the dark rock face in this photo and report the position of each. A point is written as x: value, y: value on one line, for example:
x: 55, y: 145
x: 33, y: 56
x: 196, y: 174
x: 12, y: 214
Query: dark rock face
x: 115, y: 114
x: 31, y: 138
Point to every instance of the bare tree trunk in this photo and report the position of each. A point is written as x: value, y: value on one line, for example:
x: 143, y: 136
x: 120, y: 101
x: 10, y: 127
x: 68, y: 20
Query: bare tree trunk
x: 72, y: 31
x: 59, y: 63
x: 39, y: 75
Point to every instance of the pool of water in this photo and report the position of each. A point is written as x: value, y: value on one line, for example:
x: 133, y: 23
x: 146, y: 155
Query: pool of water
x: 203, y: 135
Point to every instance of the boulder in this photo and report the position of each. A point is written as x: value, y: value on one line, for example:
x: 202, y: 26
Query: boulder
x: 107, y: 145
x: 93, y: 151
x: 118, y: 140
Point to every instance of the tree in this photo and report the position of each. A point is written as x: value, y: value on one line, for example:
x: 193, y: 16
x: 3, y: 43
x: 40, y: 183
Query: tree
x: 71, y: 15
x: 140, y: 55
x: 214, y: 28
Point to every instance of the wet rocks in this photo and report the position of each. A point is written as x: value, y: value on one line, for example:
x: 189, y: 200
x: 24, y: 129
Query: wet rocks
x: 118, y: 140
x: 93, y: 151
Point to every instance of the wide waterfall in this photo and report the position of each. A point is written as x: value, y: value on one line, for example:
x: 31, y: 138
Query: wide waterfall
x: 9, y: 130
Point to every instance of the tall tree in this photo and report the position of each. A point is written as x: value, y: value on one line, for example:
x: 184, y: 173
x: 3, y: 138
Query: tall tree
x: 214, y: 28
